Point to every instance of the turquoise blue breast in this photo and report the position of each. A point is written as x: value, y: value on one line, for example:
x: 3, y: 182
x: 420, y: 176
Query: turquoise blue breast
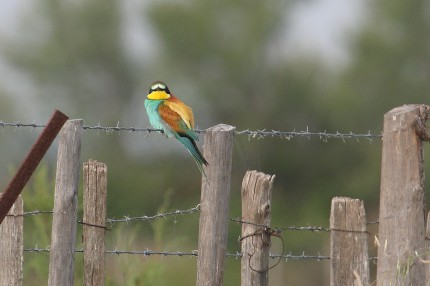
x: 152, y: 110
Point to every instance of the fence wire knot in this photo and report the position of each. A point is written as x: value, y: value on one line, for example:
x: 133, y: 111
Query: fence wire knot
x: 265, y: 233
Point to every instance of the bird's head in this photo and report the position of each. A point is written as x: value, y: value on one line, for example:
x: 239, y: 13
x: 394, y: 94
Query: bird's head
x: 158, y: 91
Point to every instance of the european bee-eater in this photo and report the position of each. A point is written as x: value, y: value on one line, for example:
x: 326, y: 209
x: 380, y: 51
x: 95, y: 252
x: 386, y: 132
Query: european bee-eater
x: 175, y: 118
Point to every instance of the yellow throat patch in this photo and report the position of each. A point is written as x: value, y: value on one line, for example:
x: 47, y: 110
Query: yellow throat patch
x: 158, y: 95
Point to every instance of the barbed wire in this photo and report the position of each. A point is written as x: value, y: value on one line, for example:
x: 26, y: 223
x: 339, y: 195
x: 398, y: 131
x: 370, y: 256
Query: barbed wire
x: 324, y: 135
x: 17, y: 124
x: 37, y: 212
x: 110, y: 129
x: 126, y: 219
x: 192, y: 210
x: 178, y: 212
x: 287, y: 257
x: 175, y: 213
x: 31, y: 213
x: 281, y: 229
x: 302, y: 256
x: 303, y: 228
x: 39, y: 250
x: 194, y: 253
x: 252, y: 134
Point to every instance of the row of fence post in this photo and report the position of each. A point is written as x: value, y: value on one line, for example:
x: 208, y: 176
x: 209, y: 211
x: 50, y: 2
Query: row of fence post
x: 348, y: 239
x: 402, y: 232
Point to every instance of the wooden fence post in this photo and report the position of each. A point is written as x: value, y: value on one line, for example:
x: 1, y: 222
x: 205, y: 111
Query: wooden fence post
x: 348, y: 243
x: 256, y: 209
x: 63, y: 237
x: 11, y: 246
x: 94, y: 222
x: 427, y: 238
x: 215, y: 198
x: 401, y: 211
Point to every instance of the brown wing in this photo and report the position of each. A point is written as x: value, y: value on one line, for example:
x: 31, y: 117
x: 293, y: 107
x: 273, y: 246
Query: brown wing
x: 172, y: 118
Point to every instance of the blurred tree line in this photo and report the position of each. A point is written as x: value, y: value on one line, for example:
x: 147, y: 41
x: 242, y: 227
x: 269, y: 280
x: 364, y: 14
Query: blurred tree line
x: 222, y: 58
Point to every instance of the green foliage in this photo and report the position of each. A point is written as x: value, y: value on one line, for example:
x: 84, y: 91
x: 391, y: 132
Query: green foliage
x: 223, y: 48
x: 128, y: 269
x: 38, y: 195
x: 158, y: 226
x: 125, y: 269
x: 388, y: 67
x: 77, y: 60
x: 134, y: 270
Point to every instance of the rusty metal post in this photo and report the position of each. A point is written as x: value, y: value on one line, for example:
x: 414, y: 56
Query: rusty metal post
x: 30, y: 162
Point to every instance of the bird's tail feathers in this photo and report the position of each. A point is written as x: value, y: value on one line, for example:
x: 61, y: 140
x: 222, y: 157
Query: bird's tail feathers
x: 194, y: 151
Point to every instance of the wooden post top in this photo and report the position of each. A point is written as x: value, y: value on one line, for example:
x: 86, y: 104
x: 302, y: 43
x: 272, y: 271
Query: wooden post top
x: 221, y: 128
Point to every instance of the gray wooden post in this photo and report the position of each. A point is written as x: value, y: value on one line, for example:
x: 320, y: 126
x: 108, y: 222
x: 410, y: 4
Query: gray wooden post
x: 256, y: 209
x: 63, y: 237
x: 11, y: 246
x: 215, y: 197
x: 427, y: 256
x: 401, y: 211
x: 348, y: 243
x: 94, y: 221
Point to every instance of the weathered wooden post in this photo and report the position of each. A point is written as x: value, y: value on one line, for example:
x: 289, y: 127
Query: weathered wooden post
x: 12, y: 245
x: 215, y: 198
x: 63, y: 237
x: 255, y: 243
x: 427, y: 257
x: 94, y: 221
x: 348, y: 243
x: 401, y: 211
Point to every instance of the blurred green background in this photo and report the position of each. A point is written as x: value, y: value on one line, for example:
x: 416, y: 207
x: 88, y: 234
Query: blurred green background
x: 274, y: 65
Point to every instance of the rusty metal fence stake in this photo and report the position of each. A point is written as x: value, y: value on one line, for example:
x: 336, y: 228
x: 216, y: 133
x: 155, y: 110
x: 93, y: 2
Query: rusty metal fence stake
x: 30, y: 162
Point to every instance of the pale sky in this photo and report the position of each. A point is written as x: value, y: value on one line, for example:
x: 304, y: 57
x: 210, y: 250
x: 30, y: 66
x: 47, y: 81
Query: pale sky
x: 316, y: 26
x: 319, y: 26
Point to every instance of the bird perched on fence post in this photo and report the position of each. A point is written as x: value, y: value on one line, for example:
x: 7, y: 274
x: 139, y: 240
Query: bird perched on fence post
x: 175, y: 118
